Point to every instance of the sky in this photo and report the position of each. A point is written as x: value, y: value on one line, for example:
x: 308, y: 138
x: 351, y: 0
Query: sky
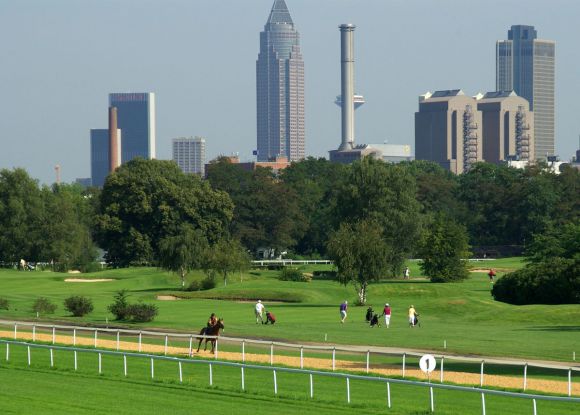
x: 59, y: 60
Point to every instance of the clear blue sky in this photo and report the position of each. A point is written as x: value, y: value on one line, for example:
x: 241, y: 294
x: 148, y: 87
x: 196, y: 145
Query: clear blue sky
x: 61, y: 58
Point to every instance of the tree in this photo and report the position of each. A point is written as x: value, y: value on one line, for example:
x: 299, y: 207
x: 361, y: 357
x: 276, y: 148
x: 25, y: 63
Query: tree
x: 385, y: 193
x: 183, y: 252
x: 359, y: 253
x: 145, y: 201
x: 444, y: 250
x: 227, y: 256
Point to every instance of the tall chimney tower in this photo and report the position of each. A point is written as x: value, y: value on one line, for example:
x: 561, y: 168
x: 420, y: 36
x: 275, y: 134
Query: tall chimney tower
x: 114, y: 161
x: 347, y: 85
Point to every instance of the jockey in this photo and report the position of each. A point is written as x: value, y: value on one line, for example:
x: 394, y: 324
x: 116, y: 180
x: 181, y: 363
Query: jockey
x: 212, y: 321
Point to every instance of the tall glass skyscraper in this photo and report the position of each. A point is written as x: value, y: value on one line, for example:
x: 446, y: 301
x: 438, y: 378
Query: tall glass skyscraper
x: 280, y: 88
x: 526, y: 65
x: 136, y: 120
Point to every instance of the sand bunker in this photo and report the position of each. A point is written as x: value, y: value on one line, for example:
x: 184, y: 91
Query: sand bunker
x: 87, y: 280
x: 167, y: 298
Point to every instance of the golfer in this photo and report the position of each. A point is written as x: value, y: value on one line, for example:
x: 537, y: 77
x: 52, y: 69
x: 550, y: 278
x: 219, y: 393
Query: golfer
x: 343, y: 308
x: 412, y: 314
x: 259, y: 309
x: 387, y: 314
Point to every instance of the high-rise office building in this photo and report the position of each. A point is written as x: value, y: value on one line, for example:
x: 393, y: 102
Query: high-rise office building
x: 507, y: 127
x: 526, y: 65
x: 100, y: 155
x: 189, y: 154
x: 448, y: 130
x: 280, y: 88
x: 136, y: 120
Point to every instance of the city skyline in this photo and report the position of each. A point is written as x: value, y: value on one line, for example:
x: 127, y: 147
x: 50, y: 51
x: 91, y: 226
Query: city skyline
x: 52, y: 61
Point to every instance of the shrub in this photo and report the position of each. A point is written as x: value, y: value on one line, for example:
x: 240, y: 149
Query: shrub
x: 43, y: 305
x: 3, y: 304
x: 556, y: 281
x: 78, y: 305
x: 293, y: 274
x: 208, y: 283
x: 142, y: 313
x: 194, y: 286
x: 120, y: 308
x: 325, y: 275
x: 90, y: 267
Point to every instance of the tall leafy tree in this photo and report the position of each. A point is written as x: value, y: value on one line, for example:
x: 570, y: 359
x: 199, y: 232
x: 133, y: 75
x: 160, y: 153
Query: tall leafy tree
x: 359, y: 253
x: 145, y: 201
x: 227, y: 256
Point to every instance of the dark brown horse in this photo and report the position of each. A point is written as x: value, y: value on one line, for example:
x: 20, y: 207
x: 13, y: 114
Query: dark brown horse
x: 210, y: 331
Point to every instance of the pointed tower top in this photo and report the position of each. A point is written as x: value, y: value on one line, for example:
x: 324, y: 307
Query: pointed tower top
x: 279, y: 14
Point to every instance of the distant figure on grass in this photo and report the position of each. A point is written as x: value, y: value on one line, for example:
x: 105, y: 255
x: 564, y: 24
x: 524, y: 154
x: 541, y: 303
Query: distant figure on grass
x: 491, y: 275
x: 259, y: 310
x: 270, y: 317
x: 387, y: 314
x: 343, y: 308
x: 413, y: 320
x: 210, y: 331
x: 406, y: 273
x: 369, y: 315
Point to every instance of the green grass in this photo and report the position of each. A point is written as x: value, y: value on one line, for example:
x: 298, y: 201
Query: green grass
x: 32, y: 390
x: 462, y: 314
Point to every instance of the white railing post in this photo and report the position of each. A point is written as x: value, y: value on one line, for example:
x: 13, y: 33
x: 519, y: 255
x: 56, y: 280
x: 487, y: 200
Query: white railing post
x: 431, y: 398
x: 28, y: 355
x: 190, y: 346
x: 140, y: 341
x: 368, y: 360
x: 442, y: 360
x: 33, y: 332
x: 404, y: 358
x: 525, y: 376
x: 125, y: 364
x: 118, y: 340
x: 333, y: 358
x: 152, y: 369
x: 311, y: 386
x: 210, y: 376
x: 243, y: 351
x: 100, y: 363
x: 481, y: 375
x: 243, y: 382
x: 7, y: 352
x: 348, y: 390
x: 165, y: 349
x: 482, y: 403
x: 96, y: 331
x: 51, y: 358
x: 74, y: 337
x: 389, y: 395
x: 15, y: 330
x: 301, y: 357
x: 76, y: 360
x: 275, y: 383
x: 180, y: 373
x: 215, y: 350
x: 271, y: 353
x: 535, y: 407
x: 53, y: 334
x: 570, y: 382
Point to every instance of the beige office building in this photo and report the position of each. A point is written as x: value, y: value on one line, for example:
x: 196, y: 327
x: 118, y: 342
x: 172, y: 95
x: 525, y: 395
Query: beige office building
x: 448, y: 130
x: 507, y: 127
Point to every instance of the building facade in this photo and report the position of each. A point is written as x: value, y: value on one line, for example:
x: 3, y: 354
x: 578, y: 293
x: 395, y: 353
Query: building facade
x: 99, y: 156
x: 448, y: 130
x: 136, y: 120
x: 526, y: 65
x: 280, y: 88
x: 189, y: 154
x: 507, y: 127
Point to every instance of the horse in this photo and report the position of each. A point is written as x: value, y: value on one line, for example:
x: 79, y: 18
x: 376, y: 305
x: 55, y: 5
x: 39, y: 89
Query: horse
x: 210, y: 331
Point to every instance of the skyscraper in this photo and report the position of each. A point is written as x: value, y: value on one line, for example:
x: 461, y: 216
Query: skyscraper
x: 280, y: 88
x: 189, y: 154
x: 136, y: 120
x: 526, y: 65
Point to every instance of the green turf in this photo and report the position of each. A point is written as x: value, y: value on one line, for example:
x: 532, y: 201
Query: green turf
x: 32, y: 390
x: 462, y: 314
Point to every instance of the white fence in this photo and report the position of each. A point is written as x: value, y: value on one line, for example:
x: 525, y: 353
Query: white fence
x: 141, y: 336
x: 243, y: 366
x: 284, y: 262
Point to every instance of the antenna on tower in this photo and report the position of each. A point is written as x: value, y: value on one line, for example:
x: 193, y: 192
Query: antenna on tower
x: 57, y: 171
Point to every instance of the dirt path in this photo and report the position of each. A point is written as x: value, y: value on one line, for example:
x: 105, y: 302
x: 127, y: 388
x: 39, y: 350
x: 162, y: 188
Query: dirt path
x: 534, y: 384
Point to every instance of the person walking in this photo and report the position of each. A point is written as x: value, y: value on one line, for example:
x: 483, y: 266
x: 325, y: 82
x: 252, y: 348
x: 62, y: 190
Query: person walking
x: 407, y: 273
x: 259, y: 310
x: 491, y: 275
x: 412, y: 316
x: 343, y: 309
x: 387, y: 314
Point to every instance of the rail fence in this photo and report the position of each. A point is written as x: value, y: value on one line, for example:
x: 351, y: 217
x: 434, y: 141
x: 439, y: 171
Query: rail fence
x: 330, y: 357
x: 274, y: 370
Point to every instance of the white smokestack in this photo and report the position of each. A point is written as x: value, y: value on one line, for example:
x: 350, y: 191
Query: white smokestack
x: 347, y: 85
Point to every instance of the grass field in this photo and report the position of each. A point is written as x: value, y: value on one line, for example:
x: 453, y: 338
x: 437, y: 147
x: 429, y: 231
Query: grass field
x: 40, y: 389
x: 462, y: 314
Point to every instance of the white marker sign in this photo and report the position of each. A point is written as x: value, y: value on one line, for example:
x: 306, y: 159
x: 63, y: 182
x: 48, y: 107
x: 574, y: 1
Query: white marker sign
x: 427, y: 363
